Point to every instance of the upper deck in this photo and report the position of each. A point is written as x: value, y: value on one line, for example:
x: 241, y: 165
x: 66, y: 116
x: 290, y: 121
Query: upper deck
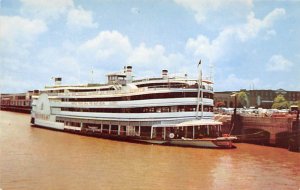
x: 122, y: 84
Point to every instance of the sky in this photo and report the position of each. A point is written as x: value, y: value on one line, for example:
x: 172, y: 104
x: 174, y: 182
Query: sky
x: 243, y: 44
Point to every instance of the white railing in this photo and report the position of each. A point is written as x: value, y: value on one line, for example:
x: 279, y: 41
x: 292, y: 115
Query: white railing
x: 121, y: 92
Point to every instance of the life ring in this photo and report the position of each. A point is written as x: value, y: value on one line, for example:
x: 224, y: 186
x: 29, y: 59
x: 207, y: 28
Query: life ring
x: 171, y: 135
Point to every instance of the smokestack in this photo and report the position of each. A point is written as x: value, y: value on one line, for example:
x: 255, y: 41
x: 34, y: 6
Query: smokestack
x: 36, y: 91
x: 57, y: 81
x: 128, y: 73
x: 164, y: 74
x: 129, y: 69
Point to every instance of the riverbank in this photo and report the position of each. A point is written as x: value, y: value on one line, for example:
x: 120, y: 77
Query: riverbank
x: 278, y: 131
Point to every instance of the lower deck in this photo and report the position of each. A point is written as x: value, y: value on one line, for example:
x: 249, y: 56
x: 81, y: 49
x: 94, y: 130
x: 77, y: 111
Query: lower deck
x: 166, y: 134
x: 140, y: 130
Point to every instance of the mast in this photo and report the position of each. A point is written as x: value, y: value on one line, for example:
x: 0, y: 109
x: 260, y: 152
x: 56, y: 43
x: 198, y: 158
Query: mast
x: 92, y: 75
x: 200, y: 92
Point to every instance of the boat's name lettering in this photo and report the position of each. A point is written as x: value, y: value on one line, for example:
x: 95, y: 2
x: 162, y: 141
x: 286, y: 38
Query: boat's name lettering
x: 42, y: 116
x: 91, y: 103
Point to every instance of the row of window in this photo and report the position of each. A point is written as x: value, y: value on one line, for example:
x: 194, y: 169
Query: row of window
x: 172, y: 85
x: 142, y: 97
x: 16, y: 103
x: 164, y: 85
x: 274, y: 94
x: 145, y: 131
x: 81, y: 90
x: 91, y: 90
x: 186, y: 108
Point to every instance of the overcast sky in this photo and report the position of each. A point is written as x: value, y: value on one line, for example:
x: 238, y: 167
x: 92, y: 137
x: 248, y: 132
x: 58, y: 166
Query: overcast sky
x: 243, y: 43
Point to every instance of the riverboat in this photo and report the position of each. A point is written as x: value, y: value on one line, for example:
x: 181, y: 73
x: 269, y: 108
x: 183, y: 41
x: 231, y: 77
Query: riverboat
x: 166, y: 110
x: 19, y: 102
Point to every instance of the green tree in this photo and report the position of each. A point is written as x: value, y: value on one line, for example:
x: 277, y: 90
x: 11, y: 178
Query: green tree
x: 296, y: 103
x: 242, y: 98
x: 280, y: 103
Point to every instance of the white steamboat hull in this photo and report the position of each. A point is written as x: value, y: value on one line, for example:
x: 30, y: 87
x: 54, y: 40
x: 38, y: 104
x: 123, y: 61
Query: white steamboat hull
x: 198, y: 143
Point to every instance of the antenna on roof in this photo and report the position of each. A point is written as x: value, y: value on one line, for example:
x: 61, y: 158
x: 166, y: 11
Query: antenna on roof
x: 92, y: 75
x: 211, y: 72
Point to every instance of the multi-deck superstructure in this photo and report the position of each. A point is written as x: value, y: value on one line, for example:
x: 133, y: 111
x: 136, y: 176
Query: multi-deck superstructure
x: 159, y: 110
x: 19, y: 102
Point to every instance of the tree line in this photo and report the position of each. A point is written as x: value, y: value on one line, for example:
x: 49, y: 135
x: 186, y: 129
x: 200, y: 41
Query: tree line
x: 243, y: 101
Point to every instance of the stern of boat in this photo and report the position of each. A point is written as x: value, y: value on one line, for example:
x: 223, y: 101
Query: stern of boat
x: 225, y: 142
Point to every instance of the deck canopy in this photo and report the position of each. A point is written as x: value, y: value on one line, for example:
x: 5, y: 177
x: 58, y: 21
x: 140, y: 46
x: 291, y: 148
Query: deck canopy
x: 201, y: 122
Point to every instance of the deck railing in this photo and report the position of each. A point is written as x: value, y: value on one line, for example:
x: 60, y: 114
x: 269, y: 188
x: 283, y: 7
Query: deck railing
x: 119, y: 92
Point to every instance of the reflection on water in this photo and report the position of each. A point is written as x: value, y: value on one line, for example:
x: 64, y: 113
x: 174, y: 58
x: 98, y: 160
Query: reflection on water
x: 34, y: 158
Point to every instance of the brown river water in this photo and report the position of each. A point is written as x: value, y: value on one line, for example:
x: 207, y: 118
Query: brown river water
x: 35, y: 158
